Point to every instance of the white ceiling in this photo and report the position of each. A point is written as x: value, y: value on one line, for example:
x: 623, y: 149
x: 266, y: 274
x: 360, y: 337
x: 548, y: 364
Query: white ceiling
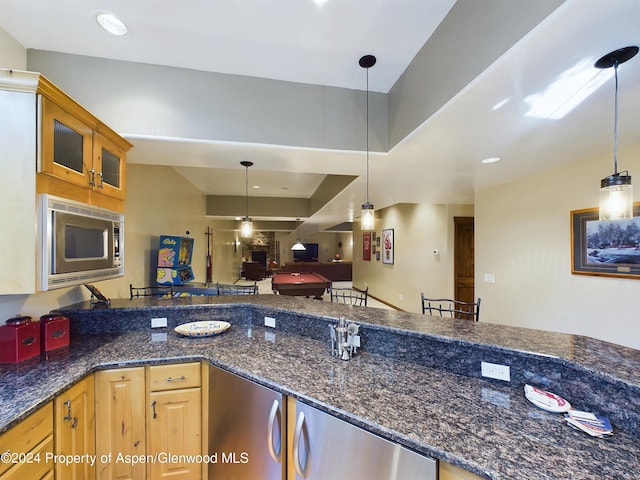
x: 299, y: 40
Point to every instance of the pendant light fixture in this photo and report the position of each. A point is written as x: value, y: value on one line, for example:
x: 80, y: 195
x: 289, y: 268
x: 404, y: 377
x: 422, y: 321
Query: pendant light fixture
x: 246, y: 230
x: 616, y: 191
x: 367, y: 216
x: 298, y: 245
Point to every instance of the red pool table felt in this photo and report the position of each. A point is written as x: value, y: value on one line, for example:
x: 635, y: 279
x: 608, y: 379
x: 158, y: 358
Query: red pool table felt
x: 300, y: 284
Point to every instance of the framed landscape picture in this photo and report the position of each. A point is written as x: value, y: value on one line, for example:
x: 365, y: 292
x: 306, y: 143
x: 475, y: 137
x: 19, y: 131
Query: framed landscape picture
x: 608, y: 248
x: 387, y: 246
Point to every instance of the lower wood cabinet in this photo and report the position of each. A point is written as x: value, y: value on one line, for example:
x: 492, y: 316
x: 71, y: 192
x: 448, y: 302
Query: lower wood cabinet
x: 30, y: 445
x: 74, y: 431
x: 149, y: 419
x: 446, y: 471
x: 120, y: 425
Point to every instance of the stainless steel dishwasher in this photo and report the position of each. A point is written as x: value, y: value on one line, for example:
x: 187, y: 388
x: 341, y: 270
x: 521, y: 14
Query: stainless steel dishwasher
x: 246, y: 429
x: 325, y: 447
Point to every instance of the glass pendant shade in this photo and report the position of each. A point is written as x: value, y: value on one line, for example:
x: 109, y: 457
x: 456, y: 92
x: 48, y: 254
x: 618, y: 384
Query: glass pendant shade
x: 246, y: 229
x: 616, y: 197
x: 367, y: 217
x: 298, y: 245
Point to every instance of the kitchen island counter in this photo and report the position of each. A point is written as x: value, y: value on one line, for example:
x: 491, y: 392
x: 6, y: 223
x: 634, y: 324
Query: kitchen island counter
x: 486, y: 427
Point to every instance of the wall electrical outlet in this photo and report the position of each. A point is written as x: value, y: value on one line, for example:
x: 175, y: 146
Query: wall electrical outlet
x: 159, y: 322
x: 270, y: 322
x: 496, y: 371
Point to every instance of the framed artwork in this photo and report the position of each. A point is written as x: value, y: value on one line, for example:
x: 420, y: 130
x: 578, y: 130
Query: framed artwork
x: 366, y: 246
x: 378, y: 256
x: 378, y: 241
x: 608, y: 248
x: 387, y: 246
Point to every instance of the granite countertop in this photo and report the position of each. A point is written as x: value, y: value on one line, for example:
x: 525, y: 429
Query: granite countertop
x: 488, y: 428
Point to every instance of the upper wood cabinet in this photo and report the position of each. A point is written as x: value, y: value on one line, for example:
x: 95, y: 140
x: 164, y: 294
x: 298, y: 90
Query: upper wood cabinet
x: 79, y: 157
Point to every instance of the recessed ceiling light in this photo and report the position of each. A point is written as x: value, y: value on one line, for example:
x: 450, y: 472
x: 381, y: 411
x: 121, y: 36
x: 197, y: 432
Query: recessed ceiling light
x: 112, y: 24
x: 490, y: 160
x: 256, y: 186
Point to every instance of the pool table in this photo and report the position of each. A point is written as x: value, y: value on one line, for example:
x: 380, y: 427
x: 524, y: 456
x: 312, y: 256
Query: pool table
x: 300, y: 284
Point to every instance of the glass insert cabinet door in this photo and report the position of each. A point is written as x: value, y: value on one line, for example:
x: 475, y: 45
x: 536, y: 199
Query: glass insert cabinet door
x: 66, y: 145
x: 108, y: 165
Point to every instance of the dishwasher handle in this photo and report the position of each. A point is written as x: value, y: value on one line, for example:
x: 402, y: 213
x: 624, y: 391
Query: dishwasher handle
x: 301, y: 431
x: 275, y: 415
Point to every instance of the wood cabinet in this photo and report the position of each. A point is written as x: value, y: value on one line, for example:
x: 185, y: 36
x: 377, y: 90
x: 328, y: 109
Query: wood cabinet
x: 120, y: 413
x: 30, y: 443
x: 74, y: 430
x: 446, y: 471
x: 79, y: 157
x: 155, y: 412
x: 174, y: 420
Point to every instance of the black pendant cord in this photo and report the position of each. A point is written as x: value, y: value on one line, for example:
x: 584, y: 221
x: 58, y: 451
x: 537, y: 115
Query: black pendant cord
x: 367, y: 135
x: 615, y: 123
x: 246, y: 193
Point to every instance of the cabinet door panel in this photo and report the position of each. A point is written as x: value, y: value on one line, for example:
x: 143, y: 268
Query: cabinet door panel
x: 174, y: 427
x: 66, y: 149
x: 109, y: 167
x: 120, y: 422
x: 74, y: 424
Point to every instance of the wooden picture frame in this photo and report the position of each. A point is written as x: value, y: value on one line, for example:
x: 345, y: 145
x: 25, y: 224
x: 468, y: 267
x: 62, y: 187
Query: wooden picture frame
x: 366, y: 246
x: 608, y: 248
x: 387, y: 246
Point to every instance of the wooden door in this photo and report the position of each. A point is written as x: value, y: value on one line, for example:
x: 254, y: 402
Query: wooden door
x: 174, y: 425
x: 464, y: 259
x: 120, y: 422
x: 74, y: 424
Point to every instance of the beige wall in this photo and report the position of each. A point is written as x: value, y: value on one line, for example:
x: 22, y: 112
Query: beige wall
x: 418, y: 230
x: 327, y: 244
x: 12, y: 54
x: 522, y: 236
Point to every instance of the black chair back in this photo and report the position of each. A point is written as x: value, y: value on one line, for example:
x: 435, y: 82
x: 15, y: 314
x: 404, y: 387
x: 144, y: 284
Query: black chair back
x: 349, y: 296
x: 155, y: 291
x: 445, y: 307
x: 225, y: 289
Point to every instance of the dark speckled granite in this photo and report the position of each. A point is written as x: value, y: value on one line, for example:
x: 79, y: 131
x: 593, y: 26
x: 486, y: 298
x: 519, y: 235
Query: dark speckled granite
x: 415, y: 380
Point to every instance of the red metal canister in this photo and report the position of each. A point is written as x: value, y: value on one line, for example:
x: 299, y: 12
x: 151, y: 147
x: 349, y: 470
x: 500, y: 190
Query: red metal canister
x: 19, y: 339
x: 54, y: 331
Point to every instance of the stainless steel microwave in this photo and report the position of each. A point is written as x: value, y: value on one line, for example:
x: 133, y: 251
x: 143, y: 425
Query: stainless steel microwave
x: 79, y: 243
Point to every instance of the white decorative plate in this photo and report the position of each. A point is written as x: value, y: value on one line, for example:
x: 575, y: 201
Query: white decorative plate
x: 202, y: 329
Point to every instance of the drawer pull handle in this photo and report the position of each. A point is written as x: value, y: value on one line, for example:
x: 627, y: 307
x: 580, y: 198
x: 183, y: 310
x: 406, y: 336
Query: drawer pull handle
x: 179, y: 379
x: 153, y: 409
